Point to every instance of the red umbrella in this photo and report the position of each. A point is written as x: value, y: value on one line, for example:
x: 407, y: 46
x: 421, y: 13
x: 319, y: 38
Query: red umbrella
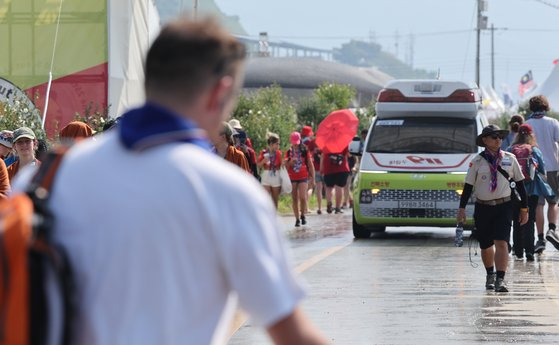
x: 337, y: 130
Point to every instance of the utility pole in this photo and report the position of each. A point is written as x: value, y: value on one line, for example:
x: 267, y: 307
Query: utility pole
x: 195, y: 9
x: 396, y: 43
x: 481, y: 25
x: 492, y: 56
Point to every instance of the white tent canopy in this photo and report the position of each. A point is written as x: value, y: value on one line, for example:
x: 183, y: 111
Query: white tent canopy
x: 550, y: 88
x: 133, y: 25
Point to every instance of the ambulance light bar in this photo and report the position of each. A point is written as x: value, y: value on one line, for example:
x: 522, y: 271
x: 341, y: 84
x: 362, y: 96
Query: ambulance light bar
x: 458, y: 96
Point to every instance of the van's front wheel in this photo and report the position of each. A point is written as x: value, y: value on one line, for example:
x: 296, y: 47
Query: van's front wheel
x: 359, y: 231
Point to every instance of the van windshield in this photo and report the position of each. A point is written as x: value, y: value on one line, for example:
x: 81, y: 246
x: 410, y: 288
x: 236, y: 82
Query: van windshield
x: 423, y: 135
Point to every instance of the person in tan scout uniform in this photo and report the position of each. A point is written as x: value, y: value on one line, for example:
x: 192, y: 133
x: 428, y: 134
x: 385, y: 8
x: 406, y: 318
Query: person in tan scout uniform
x: 493, y: 208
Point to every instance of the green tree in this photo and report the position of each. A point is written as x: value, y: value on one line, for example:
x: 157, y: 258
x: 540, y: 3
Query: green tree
x: 310, y: 111
x: 94, y: 116
x: 19, y: 114
x: 263, y: 111
x: 325, y: 99
x: 365, y: 116
x: 357, y: 53
x: 368, y: 54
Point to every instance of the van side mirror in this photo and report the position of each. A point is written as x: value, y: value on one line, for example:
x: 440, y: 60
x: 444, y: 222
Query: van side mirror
x: 355, y: 147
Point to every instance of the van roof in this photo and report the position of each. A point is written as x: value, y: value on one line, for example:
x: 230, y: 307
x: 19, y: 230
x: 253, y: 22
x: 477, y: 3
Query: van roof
x: 423, y: 90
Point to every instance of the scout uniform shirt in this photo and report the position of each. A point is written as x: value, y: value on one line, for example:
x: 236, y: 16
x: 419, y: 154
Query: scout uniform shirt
x: 479, y: 176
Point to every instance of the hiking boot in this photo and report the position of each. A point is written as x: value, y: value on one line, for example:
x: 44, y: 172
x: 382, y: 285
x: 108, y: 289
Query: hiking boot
x: 319, y: 211
x: 303, y: 220
x: 501, y: 285
x: 329, y: 207
x: 552, y: 237
x: 338, y: 210
x: 490, y: 281
x: 540, y: 246
x: 297, y: 222
x: 529, y: 257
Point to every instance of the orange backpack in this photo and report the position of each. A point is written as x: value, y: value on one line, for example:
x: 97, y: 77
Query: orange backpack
x: 27, y: 256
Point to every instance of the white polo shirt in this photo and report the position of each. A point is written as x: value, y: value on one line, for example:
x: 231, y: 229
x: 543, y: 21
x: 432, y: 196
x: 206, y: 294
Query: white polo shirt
x: 164, y: 243
x: 546, y: 131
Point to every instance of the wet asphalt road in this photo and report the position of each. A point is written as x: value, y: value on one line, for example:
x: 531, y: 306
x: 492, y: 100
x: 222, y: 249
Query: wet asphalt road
x: 411, y: 286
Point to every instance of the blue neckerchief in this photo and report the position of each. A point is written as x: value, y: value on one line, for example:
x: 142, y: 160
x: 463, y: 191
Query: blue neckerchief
x: 537, y: 115
x: 152, y: 125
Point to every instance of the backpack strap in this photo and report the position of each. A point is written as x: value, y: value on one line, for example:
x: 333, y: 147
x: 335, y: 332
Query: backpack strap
x: 44, y: 248
x: 44, y: 177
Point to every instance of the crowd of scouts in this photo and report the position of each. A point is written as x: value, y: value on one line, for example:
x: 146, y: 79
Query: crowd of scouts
x: 21, y: 148
x: 512, y: 180
x: 310, y: 169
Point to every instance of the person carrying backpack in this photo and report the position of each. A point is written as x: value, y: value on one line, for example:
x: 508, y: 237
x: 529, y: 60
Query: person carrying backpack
x: 491, y: 177
x: 164, y: 252
x: 531, y: 162
x: 301, y: 173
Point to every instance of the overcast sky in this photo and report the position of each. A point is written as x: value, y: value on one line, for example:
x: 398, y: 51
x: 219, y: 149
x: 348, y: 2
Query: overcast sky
x: 443, y: 31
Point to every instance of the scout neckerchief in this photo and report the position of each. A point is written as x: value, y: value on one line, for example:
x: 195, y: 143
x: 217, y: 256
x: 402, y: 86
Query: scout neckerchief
x: 537, y: 115
x: 152, y: 125
x: 272, y: 158
x: 296, y: 154
x: 512, y: 183
x: 494, y: 160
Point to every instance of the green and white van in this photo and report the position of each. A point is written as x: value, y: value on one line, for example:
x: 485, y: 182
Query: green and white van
x: 416, y: 155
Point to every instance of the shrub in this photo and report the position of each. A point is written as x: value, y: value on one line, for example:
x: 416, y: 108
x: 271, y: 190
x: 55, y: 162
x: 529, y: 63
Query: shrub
x: 94, y: 116
x: 266, y: 110
x: 325, y: 99
x: 20, y: 114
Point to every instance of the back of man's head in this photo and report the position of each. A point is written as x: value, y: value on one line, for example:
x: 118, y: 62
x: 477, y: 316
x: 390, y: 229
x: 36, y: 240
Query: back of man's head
x: 539, y: 103
x: 187, y: 56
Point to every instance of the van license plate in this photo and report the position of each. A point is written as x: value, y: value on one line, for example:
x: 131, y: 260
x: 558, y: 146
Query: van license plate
x: 416, y: 204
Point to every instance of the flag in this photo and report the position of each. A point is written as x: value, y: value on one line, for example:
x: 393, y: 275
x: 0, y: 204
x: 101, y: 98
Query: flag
x: 526, y: 83
x: 507, y: 97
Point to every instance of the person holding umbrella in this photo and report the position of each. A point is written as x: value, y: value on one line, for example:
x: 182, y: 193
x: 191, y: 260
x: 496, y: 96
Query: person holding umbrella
x: 335, y: 169
x: 333, y: 137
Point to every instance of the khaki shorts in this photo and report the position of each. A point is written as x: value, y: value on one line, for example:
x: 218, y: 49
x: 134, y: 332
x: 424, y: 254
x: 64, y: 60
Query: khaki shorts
x: 269, y: 178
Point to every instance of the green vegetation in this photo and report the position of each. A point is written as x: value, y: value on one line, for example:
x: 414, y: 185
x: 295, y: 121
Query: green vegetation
x: 264, y: 111
x: 325, y: 99
x: 18, y: 114
x: 284, y: 204
x: 368, y: 54
x: 94, y: 116
x: 268, y: 110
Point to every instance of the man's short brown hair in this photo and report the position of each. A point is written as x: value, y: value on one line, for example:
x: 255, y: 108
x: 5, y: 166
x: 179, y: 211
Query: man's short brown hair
x: 539, y: 103
x: 187, y: 55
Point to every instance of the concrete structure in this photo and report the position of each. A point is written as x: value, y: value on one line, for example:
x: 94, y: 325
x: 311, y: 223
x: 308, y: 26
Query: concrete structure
x: 298, y: 77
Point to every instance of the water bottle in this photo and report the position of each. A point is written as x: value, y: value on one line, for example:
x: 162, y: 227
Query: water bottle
x: 459, y: 237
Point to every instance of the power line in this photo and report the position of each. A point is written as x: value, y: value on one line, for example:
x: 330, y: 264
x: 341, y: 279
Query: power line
x: 548, y: 4
x: 392, y: 36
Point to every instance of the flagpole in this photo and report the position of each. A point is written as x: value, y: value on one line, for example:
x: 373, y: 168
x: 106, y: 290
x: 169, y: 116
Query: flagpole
x: 49, y: 84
